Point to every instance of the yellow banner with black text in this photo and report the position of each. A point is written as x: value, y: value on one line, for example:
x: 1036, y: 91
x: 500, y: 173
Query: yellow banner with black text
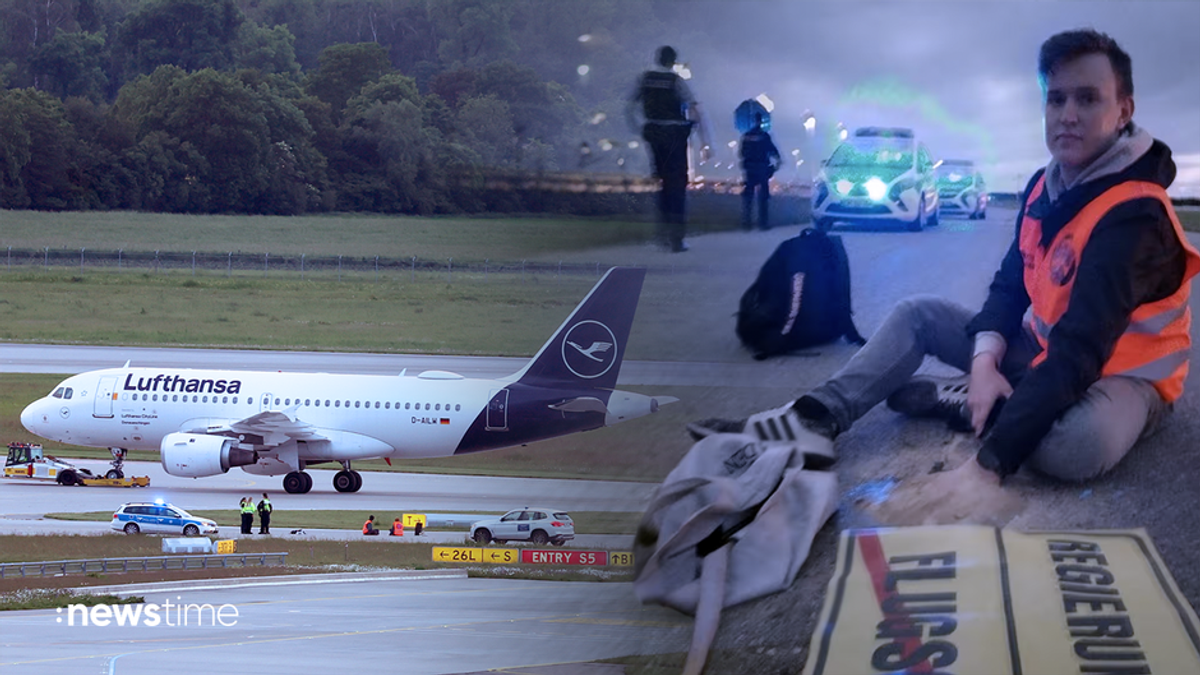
x: 974, y: 600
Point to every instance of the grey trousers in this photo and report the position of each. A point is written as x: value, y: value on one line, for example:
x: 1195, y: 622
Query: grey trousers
x: 1086, y: 441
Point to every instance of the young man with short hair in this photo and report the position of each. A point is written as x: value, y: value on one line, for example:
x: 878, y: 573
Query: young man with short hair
x: 1100, y: 257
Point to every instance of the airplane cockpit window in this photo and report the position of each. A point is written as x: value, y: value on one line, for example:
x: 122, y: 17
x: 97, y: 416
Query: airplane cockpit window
x: 67, y: 393
x: 58, y: 393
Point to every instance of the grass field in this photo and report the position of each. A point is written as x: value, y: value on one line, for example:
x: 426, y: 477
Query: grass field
x: 303, y: 555
x: 502, y: 316
x: 586, y: 522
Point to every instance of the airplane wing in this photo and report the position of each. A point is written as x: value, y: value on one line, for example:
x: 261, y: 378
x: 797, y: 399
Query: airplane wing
x: 274, y: 427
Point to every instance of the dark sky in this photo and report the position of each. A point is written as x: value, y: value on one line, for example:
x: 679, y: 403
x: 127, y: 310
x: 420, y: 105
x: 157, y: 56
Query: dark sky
x: 961, y: 73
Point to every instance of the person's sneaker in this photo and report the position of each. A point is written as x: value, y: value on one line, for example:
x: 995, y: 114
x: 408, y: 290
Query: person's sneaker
x: 939, y: 398
x: 781, y: 425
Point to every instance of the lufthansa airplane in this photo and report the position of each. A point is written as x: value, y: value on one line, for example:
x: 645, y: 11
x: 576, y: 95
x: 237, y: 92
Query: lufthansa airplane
x: 205, y: 422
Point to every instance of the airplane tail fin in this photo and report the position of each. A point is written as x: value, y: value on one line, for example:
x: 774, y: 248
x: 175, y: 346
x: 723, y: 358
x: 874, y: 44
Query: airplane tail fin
x: 588, y: 347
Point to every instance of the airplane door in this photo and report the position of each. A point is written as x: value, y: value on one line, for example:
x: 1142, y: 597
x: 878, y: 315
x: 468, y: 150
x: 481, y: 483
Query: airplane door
x: 266, y: 403
x: 497, y: 411
x: 104, y: 397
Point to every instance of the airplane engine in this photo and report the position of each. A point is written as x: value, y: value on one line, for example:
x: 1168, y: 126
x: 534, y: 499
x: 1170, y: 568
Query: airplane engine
x: 199, y: 455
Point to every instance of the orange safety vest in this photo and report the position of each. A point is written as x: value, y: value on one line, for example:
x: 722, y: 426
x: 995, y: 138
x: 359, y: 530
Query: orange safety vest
x: 398, y: 528
x: 1156, y: 344
x: 366, y: 527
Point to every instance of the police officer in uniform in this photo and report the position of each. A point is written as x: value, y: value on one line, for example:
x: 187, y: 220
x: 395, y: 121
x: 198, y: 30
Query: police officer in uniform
x: 760, y: 160
x: 264, y: 515
x: 669, y: 111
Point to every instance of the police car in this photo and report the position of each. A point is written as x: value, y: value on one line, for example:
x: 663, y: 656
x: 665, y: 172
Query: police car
x: 879, y: 175
x: 536, y: 525
x: 160, y: 518
x: 961, y: 189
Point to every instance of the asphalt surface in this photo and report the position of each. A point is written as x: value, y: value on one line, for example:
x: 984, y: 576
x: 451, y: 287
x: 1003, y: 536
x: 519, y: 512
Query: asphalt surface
x: 416, y: 626
x: 1155, y: 487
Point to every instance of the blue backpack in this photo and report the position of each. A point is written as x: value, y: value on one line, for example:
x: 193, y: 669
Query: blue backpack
x: 800, y: 299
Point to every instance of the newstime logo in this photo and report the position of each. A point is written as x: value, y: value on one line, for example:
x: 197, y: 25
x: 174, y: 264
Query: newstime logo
x: 151, y: 615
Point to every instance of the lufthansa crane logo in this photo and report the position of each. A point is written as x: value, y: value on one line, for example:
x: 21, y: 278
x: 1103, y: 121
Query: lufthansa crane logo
x: 589, y: 349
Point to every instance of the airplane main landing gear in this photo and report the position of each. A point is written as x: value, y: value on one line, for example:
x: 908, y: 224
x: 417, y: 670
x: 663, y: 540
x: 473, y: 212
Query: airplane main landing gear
x: 347, y: 481
x: 297, y: 482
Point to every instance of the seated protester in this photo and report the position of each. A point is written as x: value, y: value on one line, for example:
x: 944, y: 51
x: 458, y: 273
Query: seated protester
x: 397, y: 528
x: 1100, y: 258
x: 369, y: 527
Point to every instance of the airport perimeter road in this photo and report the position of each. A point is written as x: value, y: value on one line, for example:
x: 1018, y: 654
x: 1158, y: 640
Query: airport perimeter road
x: 382, y: 491
x: 415, y: 627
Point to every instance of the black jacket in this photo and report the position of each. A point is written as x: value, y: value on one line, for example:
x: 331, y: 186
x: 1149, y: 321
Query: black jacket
x: 1133, y: 257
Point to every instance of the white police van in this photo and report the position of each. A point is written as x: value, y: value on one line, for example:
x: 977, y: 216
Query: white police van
x: 159, y: 517
x: 879, y: 175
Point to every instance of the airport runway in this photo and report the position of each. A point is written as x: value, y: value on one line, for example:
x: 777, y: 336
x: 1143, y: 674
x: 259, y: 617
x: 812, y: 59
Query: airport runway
x: 415, y: 627
x: 68, y: 360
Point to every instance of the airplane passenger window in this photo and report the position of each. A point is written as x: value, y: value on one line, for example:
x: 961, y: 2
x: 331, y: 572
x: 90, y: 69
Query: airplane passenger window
x: 307, y: 402
x: 377, y: 405
x: 224, y: 399
x: 347, y: 404
x: 358, y: 404
x: 155, y: 397
x: 195, y: 399
x: 206, y: 399
x: 175, y: 398
x: 235, y: 399
x: 406, y: 406
x: 387, y: 406
x: 427, y: 406
x: 457, y: 407
x: 135, y: 397
x: 337, y: 404
x: 287, y: 401
x: 437, y: 406
x: 276, y: 401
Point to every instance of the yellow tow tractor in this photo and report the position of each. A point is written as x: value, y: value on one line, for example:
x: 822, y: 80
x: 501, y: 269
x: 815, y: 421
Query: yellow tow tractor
x: 26, y: 460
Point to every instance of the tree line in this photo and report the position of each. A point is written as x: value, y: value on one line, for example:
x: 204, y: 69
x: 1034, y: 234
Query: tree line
x: 295, y: 106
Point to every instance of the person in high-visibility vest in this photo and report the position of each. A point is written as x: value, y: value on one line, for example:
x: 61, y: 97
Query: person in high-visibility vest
x: 397, y: 528
x: 369, y: 527
x: 1101, y: 260
x: 264, y: 515
x: 247, y: 509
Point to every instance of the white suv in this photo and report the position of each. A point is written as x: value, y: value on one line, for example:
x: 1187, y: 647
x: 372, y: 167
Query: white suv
x: 536, y: 525
x: 879, y: 175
